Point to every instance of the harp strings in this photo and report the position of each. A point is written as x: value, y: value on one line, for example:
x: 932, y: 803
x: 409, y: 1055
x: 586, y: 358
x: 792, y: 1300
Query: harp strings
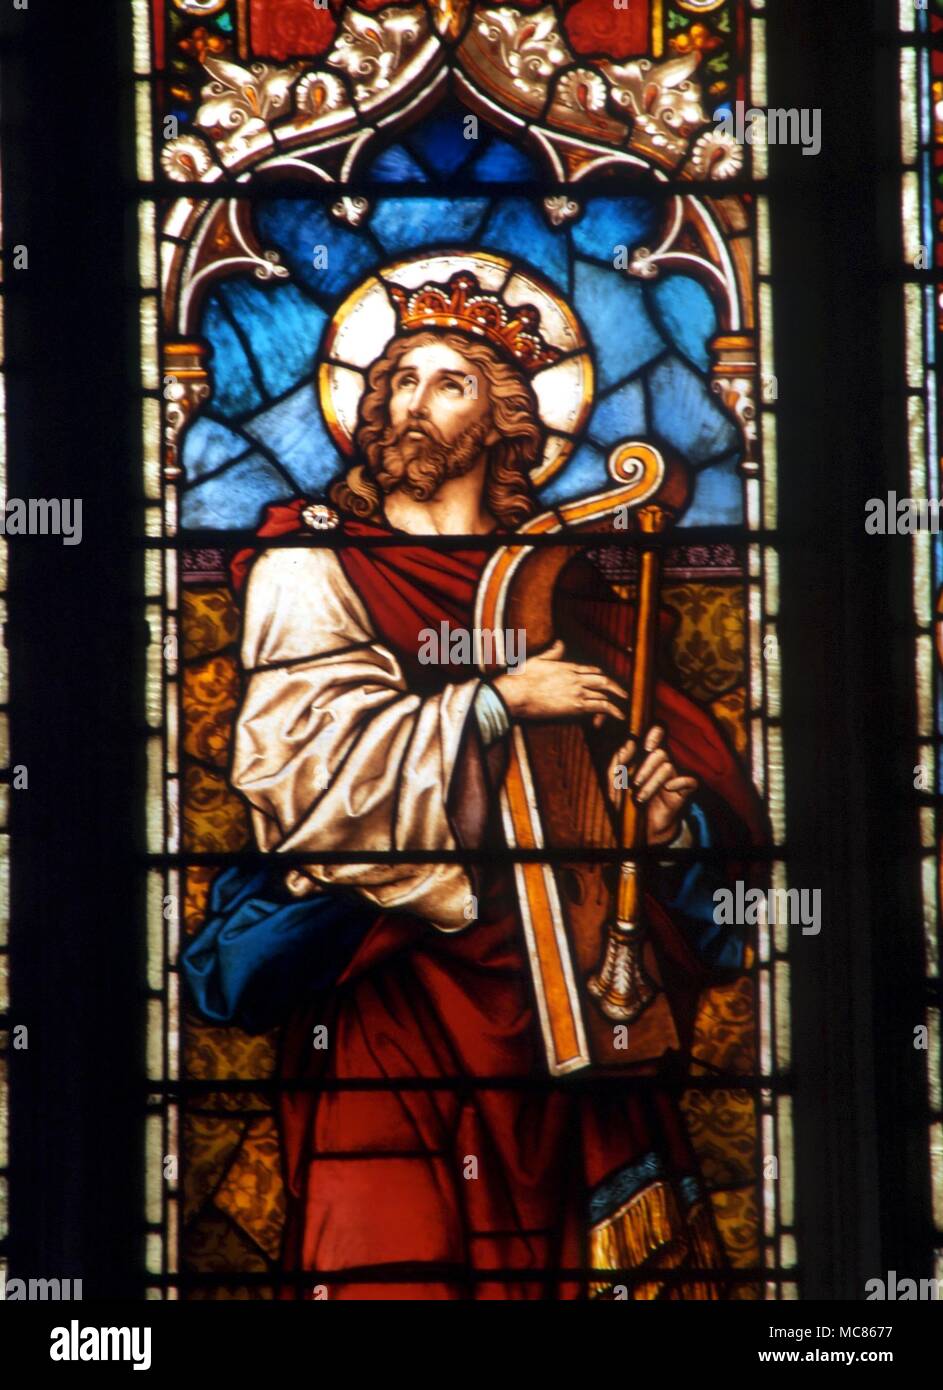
x: 593, y: 607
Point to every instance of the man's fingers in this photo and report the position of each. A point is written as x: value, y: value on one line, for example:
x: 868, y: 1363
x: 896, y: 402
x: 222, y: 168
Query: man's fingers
x: 622, y: 757
x: 626, y: 753
x: 650, y: 764
x: 592, y: 677
x: 654, y: 783
x: 598, y: 704
x: 653, y: 738
x: 598, y: 681
x: 682, y: 786
x: 597, y: 673
x: 595, y: 678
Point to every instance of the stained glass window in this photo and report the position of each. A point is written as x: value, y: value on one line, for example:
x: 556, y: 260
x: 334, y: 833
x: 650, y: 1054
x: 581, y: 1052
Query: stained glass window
x: 436, y: 1008
x: 921, y: 87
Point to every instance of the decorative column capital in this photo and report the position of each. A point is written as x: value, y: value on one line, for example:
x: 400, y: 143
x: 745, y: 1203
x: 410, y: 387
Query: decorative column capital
x: 186, y: 385
x: 734, y: 371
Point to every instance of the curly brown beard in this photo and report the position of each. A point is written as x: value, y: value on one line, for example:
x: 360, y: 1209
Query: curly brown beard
x: 420, y: 466
x: 388, y: 459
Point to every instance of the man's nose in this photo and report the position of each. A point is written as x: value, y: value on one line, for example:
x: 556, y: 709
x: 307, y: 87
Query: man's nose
x: 417, y: 402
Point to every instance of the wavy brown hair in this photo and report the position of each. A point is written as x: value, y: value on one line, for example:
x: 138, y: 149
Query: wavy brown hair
x: 513, y: 409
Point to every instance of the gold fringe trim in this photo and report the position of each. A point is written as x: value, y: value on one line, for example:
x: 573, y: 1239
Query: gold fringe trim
x: 642, y: 1224
x: 649, y: 1230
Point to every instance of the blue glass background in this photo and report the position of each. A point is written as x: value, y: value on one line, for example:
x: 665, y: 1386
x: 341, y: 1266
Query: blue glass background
x: 261, y: 437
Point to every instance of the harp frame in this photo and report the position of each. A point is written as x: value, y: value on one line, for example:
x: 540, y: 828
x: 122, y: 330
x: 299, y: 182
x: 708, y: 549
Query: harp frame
x: 656, y: 489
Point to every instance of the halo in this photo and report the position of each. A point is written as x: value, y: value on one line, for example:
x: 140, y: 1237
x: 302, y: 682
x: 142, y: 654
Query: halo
x: 366, y: 321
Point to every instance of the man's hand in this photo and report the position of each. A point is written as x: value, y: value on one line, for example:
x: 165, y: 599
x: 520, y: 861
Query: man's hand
x: 547, y: 687
x: 655, y: 783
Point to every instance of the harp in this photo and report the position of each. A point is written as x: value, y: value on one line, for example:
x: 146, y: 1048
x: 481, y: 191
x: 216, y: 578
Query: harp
x: 598, y: 977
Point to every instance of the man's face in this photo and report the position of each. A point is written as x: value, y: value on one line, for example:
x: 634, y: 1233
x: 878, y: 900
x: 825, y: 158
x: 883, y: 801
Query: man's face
x: 436, y: 392
x: 439, y: 421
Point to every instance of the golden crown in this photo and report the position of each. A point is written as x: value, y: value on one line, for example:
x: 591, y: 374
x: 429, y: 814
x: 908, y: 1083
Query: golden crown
x: 462, y: 304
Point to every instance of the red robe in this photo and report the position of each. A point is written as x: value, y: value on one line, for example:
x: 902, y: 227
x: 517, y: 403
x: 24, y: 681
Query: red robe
x: 429, y: 1155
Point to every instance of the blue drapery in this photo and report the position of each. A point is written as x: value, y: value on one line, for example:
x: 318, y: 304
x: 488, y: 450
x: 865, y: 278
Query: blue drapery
x: 259, y: 954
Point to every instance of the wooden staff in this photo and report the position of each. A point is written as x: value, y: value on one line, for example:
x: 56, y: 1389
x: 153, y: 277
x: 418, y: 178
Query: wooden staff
x: 621, y: 984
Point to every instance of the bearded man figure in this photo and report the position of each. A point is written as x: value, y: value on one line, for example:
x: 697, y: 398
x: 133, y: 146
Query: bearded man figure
x: 426, y: 1152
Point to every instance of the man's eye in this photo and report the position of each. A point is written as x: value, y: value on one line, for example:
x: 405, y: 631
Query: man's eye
x: 452, y: 387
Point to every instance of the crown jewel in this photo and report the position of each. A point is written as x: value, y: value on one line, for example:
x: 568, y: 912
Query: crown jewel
x: 462, y: 304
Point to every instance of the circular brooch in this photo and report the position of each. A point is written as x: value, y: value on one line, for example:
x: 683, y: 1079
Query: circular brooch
x: 320, y: 517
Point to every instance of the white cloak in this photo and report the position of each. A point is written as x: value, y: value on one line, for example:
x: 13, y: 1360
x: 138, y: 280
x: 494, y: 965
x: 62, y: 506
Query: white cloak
x: 334, y: 753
